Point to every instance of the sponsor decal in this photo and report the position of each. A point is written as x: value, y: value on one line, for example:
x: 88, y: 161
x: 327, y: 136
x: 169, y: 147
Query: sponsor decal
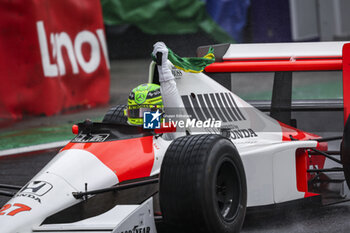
x: 233, y: 133
x: 35, y: 189
x: 242, y: 133
x: 155, y: 145
x: 154, y: 93
x: 140, y: 97
x: 35, y: 198
x: 176, y: 72
x: 138, y: 230
x: 12, y: 210
x: 62, y: 41
x: 151, y: 120
x: 90, y: 137
x: 39, y: 188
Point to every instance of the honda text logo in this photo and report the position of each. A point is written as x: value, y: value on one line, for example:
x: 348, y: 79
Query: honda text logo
x: 38, y: 188
x: 73, y: 48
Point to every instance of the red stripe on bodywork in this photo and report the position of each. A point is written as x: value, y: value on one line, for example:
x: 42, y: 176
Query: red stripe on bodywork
x: 303, y: 160
x: 166, y: 127
x: 286, y: 58
x: 302, y: 176
x: 346, y: 80
x: 128, y: 159
x: 288, y: 131
x: 273, y: 66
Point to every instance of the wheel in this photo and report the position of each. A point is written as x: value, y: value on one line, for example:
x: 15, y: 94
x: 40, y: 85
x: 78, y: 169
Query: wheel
x: 203, y: 185
x: 116, y: 115
x: 345, y: 151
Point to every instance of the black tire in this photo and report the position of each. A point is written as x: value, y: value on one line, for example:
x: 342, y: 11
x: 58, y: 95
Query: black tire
x: 116, y: 115
x: 345, y: 151
x: 203, y: 185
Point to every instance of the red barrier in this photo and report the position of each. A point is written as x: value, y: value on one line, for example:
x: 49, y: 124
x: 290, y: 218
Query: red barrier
x: 53, y: 56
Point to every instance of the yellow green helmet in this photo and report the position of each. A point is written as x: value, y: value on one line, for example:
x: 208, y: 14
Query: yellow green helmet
x: 144, y: 98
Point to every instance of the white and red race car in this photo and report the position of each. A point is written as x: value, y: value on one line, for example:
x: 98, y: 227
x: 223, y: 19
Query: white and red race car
x: 117, y: 178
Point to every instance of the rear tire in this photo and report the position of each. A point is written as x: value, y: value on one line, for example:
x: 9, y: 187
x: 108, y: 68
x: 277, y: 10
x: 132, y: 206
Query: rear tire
x: 345, y: 151
x: 115, y: 115
x: 203, y: 185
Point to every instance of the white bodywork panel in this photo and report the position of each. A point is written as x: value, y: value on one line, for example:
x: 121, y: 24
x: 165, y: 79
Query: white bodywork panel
x: 47, y: 206
x: 159, y: 146
x: 269, y: 162
x: 271, y: 172
x: 122, y: 218
x: 60, y: 173
x: 142, y: 219
x: 284, y: 50
x: 75, y: 161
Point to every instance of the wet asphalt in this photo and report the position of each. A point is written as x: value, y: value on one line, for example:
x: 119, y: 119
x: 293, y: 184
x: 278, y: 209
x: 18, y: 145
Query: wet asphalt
x: 18, y: 170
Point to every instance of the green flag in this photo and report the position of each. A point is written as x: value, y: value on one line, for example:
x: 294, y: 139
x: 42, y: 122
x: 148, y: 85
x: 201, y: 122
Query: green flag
x: 164, y: 17
x: 191, y: 64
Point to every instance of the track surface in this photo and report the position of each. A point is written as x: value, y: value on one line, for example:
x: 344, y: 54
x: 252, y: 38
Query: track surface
x: 335, y: 218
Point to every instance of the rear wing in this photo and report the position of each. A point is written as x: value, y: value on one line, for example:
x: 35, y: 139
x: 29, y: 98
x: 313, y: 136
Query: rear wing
x: 279, y: 58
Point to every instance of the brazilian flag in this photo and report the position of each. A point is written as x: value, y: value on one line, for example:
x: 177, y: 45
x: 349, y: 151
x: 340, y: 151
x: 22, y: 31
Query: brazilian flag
x: 190, y: 64
x: 166, y: 17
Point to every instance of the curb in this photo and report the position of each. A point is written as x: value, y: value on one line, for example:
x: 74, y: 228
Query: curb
x: 39, y: 147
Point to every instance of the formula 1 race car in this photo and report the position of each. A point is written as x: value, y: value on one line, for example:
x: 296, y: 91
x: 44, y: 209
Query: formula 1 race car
x: 113, y: 177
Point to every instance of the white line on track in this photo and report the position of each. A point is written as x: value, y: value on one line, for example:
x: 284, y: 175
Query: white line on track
x: 27, y: 149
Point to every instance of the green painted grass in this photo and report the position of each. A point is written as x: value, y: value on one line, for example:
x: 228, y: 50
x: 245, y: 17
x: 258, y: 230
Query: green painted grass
x: 34, y: 136
x: 325, y: 90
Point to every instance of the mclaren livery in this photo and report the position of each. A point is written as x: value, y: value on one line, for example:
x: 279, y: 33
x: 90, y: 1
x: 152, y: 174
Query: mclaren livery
x: 113, y: 177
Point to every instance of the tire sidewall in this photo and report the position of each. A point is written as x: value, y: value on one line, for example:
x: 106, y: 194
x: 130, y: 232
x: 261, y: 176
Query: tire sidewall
x: 222, y: 150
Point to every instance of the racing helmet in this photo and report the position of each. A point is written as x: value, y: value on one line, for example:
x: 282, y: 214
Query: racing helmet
x: 144, y: 98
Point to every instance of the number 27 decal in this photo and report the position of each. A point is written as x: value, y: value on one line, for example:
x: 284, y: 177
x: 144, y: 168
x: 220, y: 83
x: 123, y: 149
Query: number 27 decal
x: 14, y: 209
